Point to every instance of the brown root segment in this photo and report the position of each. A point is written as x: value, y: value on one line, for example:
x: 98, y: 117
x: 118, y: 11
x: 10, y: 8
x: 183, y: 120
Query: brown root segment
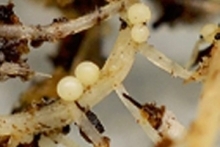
x: 203, y: 131
x: 12, y: 64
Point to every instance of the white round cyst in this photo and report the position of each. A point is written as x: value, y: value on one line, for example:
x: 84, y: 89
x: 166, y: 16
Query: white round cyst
x: 208, y: 32
x: 69, y: 88
x: 139, y: 33
x: 87, y: 72
x: 139, y: 13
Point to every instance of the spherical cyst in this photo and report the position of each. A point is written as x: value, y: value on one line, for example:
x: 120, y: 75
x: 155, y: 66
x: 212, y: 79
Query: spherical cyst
x: 208, y: 32
x: 69, y: 88
x: 139, y: 13
x: 139, y: 33
x: 87, y: 72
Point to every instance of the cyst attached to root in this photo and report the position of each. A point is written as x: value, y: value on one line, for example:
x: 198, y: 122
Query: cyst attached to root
x: 139, y: 33
x: 139, y: 13
x: 208, y: 32
x: 69, y: 88
x: 87, y: 72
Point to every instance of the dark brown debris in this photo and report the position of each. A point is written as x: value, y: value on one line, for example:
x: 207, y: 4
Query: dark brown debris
x: 154, y: 114
x: 165, y: 142
x: 34, y: 143
x: 60, y: 20
x: 7, y: 15
x: 203, y: 53
x: 66, y: 129
x: 13, y: 49
x: 4, y: 141
x: 36, y: 43
x: 217, y: 36
x: 95, y: 121
x: 123, y: 24
x: 92, y: 117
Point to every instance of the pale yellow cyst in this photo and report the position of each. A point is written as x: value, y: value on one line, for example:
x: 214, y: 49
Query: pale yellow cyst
x: 139, y: 13
x: 87, y: 72
x: 208, y: 32
x: 139, y: 33
x: 69, y: 88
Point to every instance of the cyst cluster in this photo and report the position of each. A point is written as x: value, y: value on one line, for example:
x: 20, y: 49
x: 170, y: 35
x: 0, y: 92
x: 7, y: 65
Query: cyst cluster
x: 138, y: 15
x: 70, y: 88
